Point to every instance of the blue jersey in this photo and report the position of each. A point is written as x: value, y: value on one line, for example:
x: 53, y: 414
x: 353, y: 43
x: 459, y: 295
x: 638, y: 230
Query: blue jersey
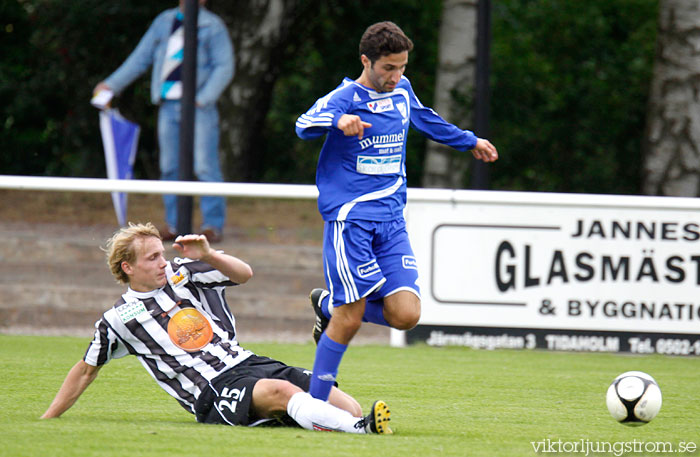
x: 365, y: 179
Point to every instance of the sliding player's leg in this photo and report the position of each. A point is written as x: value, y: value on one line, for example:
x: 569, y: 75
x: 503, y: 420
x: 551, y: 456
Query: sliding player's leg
x: 275, y: 397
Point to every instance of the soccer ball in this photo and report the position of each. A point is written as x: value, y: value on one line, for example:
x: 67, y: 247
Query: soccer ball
x: 634, y: 398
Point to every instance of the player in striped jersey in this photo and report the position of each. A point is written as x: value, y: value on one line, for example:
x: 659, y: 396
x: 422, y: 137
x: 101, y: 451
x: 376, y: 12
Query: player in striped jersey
x: 174, y: 318
x: 369, y: 265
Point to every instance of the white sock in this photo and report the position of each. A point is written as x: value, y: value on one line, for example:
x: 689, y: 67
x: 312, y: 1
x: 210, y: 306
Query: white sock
x: 314, y: 414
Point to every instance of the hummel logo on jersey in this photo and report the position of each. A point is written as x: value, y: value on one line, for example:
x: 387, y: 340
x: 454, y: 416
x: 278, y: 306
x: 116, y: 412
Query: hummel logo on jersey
x: 356, y: 98
x: 381, y: 106
x: 390, y: 140
x: 368, y: 269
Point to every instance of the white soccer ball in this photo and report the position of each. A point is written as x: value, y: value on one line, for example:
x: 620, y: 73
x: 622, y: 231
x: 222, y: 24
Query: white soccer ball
x: 634, y: 398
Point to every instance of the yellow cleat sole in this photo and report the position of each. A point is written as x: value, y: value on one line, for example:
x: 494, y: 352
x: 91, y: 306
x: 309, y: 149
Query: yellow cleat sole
x: 382, y: 416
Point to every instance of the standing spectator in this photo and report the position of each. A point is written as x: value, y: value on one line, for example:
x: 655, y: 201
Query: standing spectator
x: 162, y: 49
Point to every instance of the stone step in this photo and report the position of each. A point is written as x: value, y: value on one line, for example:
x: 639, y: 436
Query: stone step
x: 55, y: 281
x: 268, y: 279
x: 84, y: 246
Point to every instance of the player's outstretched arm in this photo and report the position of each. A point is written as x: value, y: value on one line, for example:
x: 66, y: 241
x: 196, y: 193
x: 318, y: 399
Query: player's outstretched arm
x: 197, y: 247
x: 78, y: 379
x: 485, y: 151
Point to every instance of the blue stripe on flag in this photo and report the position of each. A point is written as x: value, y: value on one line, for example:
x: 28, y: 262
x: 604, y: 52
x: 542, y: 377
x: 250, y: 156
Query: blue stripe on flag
x: 120, y: 140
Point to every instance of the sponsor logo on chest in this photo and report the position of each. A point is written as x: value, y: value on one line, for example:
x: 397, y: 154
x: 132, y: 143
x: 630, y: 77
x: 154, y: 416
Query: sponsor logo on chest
x: 380, y: 106
x: 130, y: 310
x: 382, y: 165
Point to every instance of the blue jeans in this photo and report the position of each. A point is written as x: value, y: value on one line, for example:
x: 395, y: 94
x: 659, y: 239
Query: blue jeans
x: 206, y: 160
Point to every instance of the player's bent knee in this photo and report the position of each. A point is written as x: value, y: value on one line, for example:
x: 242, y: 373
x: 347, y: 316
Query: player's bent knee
x: 402, y: 310
x: 283, y: 390
x: 406, y: 319
x: 406, y: 322
x: 270, y: 397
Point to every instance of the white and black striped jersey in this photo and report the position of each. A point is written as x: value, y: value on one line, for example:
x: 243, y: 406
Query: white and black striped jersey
x: 137, y: 324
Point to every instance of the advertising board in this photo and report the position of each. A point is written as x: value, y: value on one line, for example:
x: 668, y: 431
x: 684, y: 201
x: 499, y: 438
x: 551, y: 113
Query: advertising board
x: 557, y: 271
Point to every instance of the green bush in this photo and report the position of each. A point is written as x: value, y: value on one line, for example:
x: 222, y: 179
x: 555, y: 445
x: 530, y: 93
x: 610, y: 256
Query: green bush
x: 568, y: 101
x: 54, y: 53
x: 570, y: 82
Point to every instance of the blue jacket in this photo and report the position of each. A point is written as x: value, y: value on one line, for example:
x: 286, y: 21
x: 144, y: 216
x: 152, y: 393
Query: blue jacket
x: 214, y: 57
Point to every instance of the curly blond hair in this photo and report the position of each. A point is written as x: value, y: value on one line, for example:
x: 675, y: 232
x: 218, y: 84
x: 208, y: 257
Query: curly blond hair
x: 120, y: 248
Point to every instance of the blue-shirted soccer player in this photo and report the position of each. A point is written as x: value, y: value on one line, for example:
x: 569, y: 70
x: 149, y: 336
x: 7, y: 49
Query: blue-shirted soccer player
x: 368, y: 261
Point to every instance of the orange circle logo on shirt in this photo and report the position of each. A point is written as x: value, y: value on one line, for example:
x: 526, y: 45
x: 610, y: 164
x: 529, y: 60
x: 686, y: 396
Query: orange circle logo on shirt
x: 190, y: 330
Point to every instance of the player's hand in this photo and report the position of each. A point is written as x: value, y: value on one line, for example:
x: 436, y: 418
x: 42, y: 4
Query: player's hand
x: 193, y: 246
x: 485, y: 151
x: 352, y: 125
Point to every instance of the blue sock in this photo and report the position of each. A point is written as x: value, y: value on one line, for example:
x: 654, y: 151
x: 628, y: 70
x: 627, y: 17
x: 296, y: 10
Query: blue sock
x: 328, y: 357
x: 374, y: 310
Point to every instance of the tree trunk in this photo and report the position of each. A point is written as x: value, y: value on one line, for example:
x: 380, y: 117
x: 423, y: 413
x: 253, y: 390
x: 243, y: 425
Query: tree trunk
x: 672, y: 143
x: 259, y: 31
x: 454, y: 89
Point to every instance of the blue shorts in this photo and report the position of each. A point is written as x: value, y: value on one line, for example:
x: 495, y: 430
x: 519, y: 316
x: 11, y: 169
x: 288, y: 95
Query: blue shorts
x: 361, y: 257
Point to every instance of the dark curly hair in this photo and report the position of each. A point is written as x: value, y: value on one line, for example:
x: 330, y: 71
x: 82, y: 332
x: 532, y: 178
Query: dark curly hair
x: 382, y: 39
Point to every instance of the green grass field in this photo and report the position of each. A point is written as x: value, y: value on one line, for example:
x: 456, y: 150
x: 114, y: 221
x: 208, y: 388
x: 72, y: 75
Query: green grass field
x: 444, y: 402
